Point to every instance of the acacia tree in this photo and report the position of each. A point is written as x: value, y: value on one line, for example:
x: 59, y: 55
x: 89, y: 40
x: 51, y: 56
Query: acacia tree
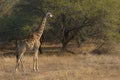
x: 90, y: 18
x: 101, y: 21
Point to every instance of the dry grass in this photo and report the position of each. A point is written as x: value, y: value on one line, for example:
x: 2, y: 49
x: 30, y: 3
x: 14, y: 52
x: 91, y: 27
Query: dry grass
x: 78, y: 67
x: 65, y: 67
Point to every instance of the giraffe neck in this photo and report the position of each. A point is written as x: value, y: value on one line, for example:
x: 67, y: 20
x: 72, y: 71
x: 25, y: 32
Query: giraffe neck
x: 42, y: 25
x: 39, y: 31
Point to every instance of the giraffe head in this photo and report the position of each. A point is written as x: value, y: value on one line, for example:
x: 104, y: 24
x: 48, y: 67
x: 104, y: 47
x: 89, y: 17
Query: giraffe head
x: 48, y: 14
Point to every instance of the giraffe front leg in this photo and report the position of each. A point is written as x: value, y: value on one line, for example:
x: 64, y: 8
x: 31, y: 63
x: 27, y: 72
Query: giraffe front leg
x: 37, y: 68
x: 35, y: 61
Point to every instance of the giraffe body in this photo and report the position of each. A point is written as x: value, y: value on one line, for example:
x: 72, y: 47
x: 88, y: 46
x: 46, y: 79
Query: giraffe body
x: 31, y: 43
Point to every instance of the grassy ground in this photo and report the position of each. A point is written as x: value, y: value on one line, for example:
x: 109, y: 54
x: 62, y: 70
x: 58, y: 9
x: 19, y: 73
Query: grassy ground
x: 77, y: 67
x: 65, y: 67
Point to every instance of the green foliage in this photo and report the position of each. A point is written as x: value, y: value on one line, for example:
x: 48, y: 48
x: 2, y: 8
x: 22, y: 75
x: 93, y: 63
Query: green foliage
x: 18, y: 17
x: 6, y: 6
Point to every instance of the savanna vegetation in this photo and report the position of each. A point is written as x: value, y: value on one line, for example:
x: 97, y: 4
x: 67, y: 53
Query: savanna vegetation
x: 79, y: 27
x: 79, y: 20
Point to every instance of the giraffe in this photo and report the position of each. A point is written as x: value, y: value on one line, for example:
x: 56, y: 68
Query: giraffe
x: 31, y: 43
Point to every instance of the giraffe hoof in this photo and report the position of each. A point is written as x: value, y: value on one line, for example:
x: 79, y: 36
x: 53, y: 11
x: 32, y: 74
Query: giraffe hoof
x: 34, y: 69
x: 16, y: 70
x: 37, y: 69
x: 23, y: 70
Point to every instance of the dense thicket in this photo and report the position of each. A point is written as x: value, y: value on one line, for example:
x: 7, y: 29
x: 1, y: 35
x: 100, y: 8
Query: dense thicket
x: 89, y: 19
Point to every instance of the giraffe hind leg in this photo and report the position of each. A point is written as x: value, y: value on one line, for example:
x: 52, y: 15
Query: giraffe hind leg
x: 22, y: 66
x: 18, y: 60
x: 17, y: 63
